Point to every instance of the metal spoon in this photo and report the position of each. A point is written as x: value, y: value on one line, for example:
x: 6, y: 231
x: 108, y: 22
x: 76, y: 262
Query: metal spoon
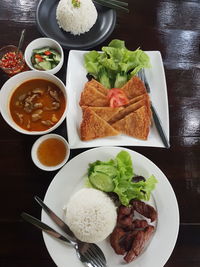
x: 21, y: 40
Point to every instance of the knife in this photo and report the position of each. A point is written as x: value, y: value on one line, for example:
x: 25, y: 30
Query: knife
x: 44, y: 227
x: 56, y: 219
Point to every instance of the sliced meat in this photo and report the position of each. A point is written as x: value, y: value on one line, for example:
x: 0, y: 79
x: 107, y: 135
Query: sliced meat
x: 115, y: 238
x: 139, y: 242
x: 145, y: 209
x: 140, y: 223
x: 126, y: 222
x: 123, y: 210
x: 128, y: 240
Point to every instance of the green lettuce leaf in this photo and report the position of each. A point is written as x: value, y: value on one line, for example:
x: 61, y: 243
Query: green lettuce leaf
x: 120, y: 170
x: 115, y: 64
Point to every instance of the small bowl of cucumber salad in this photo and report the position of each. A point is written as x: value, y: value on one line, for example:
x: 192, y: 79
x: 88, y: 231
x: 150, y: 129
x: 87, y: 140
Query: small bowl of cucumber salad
x: 44, y: 54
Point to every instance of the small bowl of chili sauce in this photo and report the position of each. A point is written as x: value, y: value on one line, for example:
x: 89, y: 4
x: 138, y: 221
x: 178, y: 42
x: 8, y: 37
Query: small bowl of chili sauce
x: 11, y: 60
x: 50, y: 152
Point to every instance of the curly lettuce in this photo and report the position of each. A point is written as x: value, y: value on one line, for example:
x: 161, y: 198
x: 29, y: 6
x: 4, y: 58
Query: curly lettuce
x: 120, y: 170
x: 115, y: 64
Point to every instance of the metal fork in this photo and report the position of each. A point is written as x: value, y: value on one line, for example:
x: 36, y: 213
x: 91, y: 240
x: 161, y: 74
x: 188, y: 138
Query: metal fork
x: 89, y: 253
x: 93, y: 249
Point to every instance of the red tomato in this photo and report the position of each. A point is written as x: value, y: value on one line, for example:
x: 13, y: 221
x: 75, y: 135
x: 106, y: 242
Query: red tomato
x: 47, y: 53
x: 39, y: 57
x: 117, y: 98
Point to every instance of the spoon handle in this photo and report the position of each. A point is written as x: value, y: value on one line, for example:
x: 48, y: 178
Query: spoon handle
x: 21, y: 40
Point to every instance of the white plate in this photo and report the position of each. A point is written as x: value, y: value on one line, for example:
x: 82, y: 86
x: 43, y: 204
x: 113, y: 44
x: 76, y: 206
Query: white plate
x: 70, y: 178
x: 76, y: 78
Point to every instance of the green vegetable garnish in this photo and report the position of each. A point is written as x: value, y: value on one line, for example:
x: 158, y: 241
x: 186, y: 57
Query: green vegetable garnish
x: 76, y: 3
x: 116, y: 64
x: 116, y: 176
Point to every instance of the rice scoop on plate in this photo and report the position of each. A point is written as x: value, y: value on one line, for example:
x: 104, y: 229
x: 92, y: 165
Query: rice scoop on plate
x: 91, y: 215
x: 76, y: 16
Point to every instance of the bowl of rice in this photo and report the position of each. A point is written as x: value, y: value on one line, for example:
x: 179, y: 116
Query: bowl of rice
x: 76, y: 16
x: 81, y: 27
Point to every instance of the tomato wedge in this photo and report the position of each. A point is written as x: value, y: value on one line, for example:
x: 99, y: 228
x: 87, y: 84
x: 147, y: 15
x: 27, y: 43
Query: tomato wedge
x: 47, y: 52
x: 117, y: 98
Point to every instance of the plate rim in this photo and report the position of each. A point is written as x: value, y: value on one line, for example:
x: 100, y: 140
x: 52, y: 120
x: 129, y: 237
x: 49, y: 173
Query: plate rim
x: 65, y: 46
x: 176, y: 219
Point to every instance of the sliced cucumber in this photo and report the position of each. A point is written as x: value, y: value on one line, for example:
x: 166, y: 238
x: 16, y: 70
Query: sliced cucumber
x: 102, y: 181
x: 37, y: 60
x: 45, y: 65
x: 41, y: 50
x: 57, y: 57
x: 36, y: 66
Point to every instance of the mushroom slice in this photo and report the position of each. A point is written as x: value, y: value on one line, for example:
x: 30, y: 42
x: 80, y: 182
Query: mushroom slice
x: 38, y: 91
x: 47, y: 123
x: 38, y: 105
x: 20, y: 116
x: 53, y: 94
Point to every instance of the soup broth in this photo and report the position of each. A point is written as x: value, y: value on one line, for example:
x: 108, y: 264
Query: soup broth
x: 37, y: 105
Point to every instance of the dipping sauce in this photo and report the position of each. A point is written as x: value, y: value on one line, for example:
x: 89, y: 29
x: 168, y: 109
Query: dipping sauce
x: 11, y: 61
x: 37, y: 105
x: 51, y: 152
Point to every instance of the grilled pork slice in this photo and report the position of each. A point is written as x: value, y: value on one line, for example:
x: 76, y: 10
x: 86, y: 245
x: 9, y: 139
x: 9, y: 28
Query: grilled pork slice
x: 98, y: 86
x: 92, y: 97
x: 92, y: 126
x: 104, y: 112
x: 131, y: 108
x: 134, y: 87
x: 135, y: 124
x: 139, y: 242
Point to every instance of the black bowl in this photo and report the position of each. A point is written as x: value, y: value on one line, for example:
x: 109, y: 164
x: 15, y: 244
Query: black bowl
x: 48, y: 26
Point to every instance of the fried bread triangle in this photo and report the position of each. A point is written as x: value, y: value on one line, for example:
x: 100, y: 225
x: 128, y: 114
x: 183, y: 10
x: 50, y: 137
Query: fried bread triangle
x: 134, y: 87
x: 98, y: 86
x: 135, y: 124
x: 92, y: 126
x: 106, y: 113
x: 92, y: 97
x: 131, y: 108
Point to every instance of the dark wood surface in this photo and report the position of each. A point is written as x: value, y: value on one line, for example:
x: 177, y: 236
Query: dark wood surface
x: 170, y: 26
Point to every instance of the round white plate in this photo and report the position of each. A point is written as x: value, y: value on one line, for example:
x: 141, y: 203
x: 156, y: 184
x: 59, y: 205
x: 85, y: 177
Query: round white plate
x: 71, y: 178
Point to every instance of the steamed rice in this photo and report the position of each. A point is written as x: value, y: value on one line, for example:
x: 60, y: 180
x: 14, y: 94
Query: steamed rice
x: 91, y: 215
x: 76, y: 20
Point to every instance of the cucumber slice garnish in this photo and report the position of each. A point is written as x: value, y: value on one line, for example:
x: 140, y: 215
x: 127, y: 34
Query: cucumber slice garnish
x: 102, y: 181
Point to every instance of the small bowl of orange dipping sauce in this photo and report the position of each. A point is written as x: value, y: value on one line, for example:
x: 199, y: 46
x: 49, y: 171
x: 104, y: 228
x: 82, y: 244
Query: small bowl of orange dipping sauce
x: 50, y: 152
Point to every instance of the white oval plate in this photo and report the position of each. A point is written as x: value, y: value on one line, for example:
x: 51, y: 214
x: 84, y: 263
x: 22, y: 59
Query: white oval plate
x: 71, y: 178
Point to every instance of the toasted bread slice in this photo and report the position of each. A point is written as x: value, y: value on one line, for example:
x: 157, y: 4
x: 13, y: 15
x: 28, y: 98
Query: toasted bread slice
x: 134, y: 87
x: 104, y: 112
x: 136, y: 124
x: 98, y: 86
x: 131, y: 108
x: 92, y: 97
x: 92, y: 126
x: 136, y: 99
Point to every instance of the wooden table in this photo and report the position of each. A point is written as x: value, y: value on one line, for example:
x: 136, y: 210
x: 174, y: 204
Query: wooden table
x: 170, y: 26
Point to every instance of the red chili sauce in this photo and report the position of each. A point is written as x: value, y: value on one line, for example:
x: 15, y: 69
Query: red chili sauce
x: 12, y: 62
